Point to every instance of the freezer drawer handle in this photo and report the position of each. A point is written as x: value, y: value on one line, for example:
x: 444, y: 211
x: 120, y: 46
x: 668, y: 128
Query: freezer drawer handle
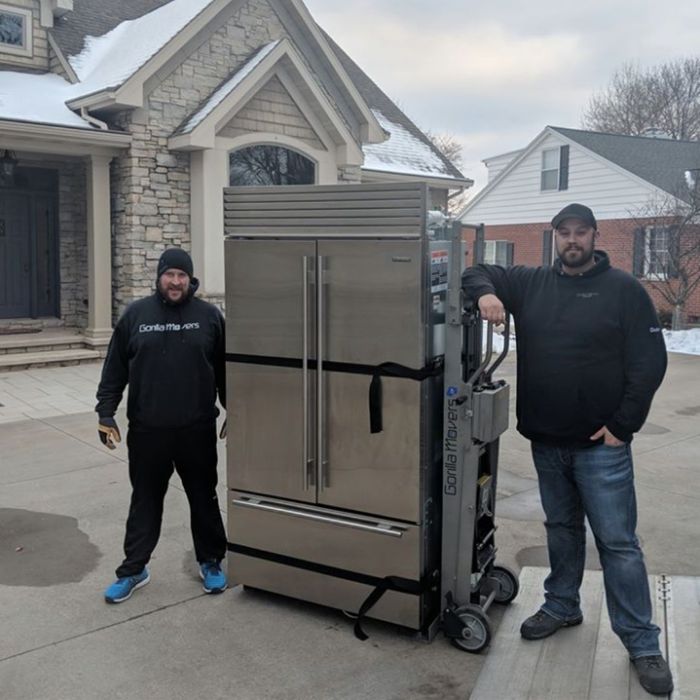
x: 377, y: 528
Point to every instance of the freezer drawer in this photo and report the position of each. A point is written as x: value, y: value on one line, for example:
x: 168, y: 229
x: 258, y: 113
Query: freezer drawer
x: 268, y: 446
x: 398, y: 608
x: 371, y: 546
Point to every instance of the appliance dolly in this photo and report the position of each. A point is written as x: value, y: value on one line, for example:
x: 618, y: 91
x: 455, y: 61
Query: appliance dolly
x: 475, y: 415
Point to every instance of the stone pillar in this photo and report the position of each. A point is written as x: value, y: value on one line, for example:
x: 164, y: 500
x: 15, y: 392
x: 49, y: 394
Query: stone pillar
x: 209, y: 173
x: 99, y: 328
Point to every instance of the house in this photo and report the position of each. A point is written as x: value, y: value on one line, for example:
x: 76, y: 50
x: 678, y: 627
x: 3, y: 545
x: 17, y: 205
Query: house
x: 121, y: 123
x: 628, y: 181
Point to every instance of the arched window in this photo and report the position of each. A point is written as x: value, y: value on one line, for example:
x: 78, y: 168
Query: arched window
x: 270, y: 165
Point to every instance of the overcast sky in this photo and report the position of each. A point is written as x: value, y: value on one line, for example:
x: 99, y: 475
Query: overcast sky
x: 493, y: 73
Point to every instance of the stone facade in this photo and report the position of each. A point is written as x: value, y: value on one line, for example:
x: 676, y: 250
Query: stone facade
x: 151, y: 184
x: 274, y: 111
x: 72, y: 236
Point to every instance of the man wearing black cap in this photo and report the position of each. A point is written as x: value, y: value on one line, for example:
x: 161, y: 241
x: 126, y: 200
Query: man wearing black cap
x: 590, y: 357
x: 169, y: 349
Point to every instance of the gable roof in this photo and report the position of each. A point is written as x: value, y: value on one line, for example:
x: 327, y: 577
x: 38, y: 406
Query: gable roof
x: 96, y: 18
x: 660, y: 161
x: 395, y: 122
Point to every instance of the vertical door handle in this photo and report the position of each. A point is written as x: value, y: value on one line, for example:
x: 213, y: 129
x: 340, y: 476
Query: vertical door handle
x: 307, y: 463
x: 320, y: 332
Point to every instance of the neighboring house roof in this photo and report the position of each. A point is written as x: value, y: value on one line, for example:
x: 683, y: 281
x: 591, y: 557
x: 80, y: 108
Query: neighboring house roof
x: 660, y: 161
x: 408, y: 147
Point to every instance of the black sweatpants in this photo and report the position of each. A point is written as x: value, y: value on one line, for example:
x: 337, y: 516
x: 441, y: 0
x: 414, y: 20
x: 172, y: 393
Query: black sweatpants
x: 153, y: 455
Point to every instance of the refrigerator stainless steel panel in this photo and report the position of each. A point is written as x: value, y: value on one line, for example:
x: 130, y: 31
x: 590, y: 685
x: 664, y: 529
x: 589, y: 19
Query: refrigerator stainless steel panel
x: 372, y: 302
x: 270, y: 423
x: 269, y: 305
x: 376, y: 546
x: 371, y: 473
x: 399, y: 608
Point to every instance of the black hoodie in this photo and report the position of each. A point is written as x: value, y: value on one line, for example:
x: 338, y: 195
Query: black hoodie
x: 172, y: 356
x: 589, y: 347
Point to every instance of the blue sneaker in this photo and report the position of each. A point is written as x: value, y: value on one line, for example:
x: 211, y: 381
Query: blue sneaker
x: 214, y: 578
x: 122, y: 588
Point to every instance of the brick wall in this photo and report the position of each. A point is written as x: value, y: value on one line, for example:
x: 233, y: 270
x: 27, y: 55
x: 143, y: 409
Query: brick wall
x: 616, y: 239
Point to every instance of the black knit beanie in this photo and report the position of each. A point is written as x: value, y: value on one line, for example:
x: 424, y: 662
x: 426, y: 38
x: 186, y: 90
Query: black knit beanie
x: 176, y: 258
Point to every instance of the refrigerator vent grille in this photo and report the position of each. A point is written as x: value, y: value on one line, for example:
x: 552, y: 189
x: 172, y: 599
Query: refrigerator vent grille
x: 327, y: 210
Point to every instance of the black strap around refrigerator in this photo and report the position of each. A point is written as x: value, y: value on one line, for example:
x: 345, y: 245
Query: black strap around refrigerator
x: 385, y: 369
x: 381, y: 585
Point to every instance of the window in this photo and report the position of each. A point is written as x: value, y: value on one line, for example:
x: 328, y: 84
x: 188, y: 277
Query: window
x: 653, y: 255
x: 498, y: 253
x: 657, y: 257
x: 15, y: 30
x: 270, y: 165
x: 555, y: 169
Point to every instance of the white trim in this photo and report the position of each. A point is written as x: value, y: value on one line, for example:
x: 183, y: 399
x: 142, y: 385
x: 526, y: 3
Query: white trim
x: 326, y: 165
x: 646, y: 262
x: 371, y: 131
x: 27, y: 48
x: 543, y: 170
x: 72, y: 77
x: 131, y: 92
x: 204, y: 134
x: 45, y: 138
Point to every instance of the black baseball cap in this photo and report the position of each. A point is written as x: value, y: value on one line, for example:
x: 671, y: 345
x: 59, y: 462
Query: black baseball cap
x: 575, y: 211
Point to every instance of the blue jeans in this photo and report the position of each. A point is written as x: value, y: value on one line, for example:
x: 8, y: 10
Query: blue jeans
x: 597, y: 482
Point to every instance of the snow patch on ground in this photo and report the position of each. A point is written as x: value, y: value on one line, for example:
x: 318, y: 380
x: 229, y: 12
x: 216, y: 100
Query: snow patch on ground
x: 687, y: 342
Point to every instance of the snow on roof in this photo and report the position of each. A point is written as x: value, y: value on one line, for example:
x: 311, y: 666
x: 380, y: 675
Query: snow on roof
x: 29, y: 97
x: 402, y: 153
x: 227, y: 88
x: 109, y: 60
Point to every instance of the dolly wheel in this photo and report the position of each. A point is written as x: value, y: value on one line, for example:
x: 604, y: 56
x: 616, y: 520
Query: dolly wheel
x: 476, y: 629
x: 505, y: 583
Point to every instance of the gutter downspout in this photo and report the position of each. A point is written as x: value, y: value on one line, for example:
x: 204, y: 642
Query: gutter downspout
x: 93, y: 120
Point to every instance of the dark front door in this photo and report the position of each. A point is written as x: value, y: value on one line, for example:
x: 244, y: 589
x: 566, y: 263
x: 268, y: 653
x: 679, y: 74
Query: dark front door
x: 28, y: 247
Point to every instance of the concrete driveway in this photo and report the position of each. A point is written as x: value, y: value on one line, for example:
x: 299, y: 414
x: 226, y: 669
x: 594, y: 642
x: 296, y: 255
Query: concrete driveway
x: 63, y: 502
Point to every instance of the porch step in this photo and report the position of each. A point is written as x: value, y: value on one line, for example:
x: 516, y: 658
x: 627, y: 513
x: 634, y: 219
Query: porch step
x: 588, y: 662
x: 54, y: 346
x: 24, y: 360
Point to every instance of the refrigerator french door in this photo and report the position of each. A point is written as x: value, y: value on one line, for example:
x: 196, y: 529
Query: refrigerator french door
x: 301, y: 430
x: 307, y: 320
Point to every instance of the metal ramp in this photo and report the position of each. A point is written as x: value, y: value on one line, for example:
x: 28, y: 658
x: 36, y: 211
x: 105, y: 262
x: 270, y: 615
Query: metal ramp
x: 589, y: 662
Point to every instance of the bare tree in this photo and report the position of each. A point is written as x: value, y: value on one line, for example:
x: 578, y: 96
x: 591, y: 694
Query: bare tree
x: 665, y: 97
x: 448, y: 145
x: 667, y: 247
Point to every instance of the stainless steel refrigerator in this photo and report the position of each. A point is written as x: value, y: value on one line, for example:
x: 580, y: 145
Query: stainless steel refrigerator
x: 334, y: 309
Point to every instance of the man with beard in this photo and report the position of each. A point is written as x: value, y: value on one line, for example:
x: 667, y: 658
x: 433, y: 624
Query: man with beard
x: 590, y: 357
x: 169, y: 348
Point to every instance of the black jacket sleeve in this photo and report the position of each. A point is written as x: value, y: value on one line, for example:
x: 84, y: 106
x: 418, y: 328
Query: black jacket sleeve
x: 507, y: 283
x: 115, y: 372
x: 645, y: 363
x: 220, y: 361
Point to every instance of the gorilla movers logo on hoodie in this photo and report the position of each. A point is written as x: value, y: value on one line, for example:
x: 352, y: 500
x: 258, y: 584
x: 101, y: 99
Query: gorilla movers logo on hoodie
x: 168, y: 327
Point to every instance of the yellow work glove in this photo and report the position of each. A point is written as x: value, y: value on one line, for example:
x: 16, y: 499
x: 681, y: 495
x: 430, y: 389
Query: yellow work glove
x: 108, y: 431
